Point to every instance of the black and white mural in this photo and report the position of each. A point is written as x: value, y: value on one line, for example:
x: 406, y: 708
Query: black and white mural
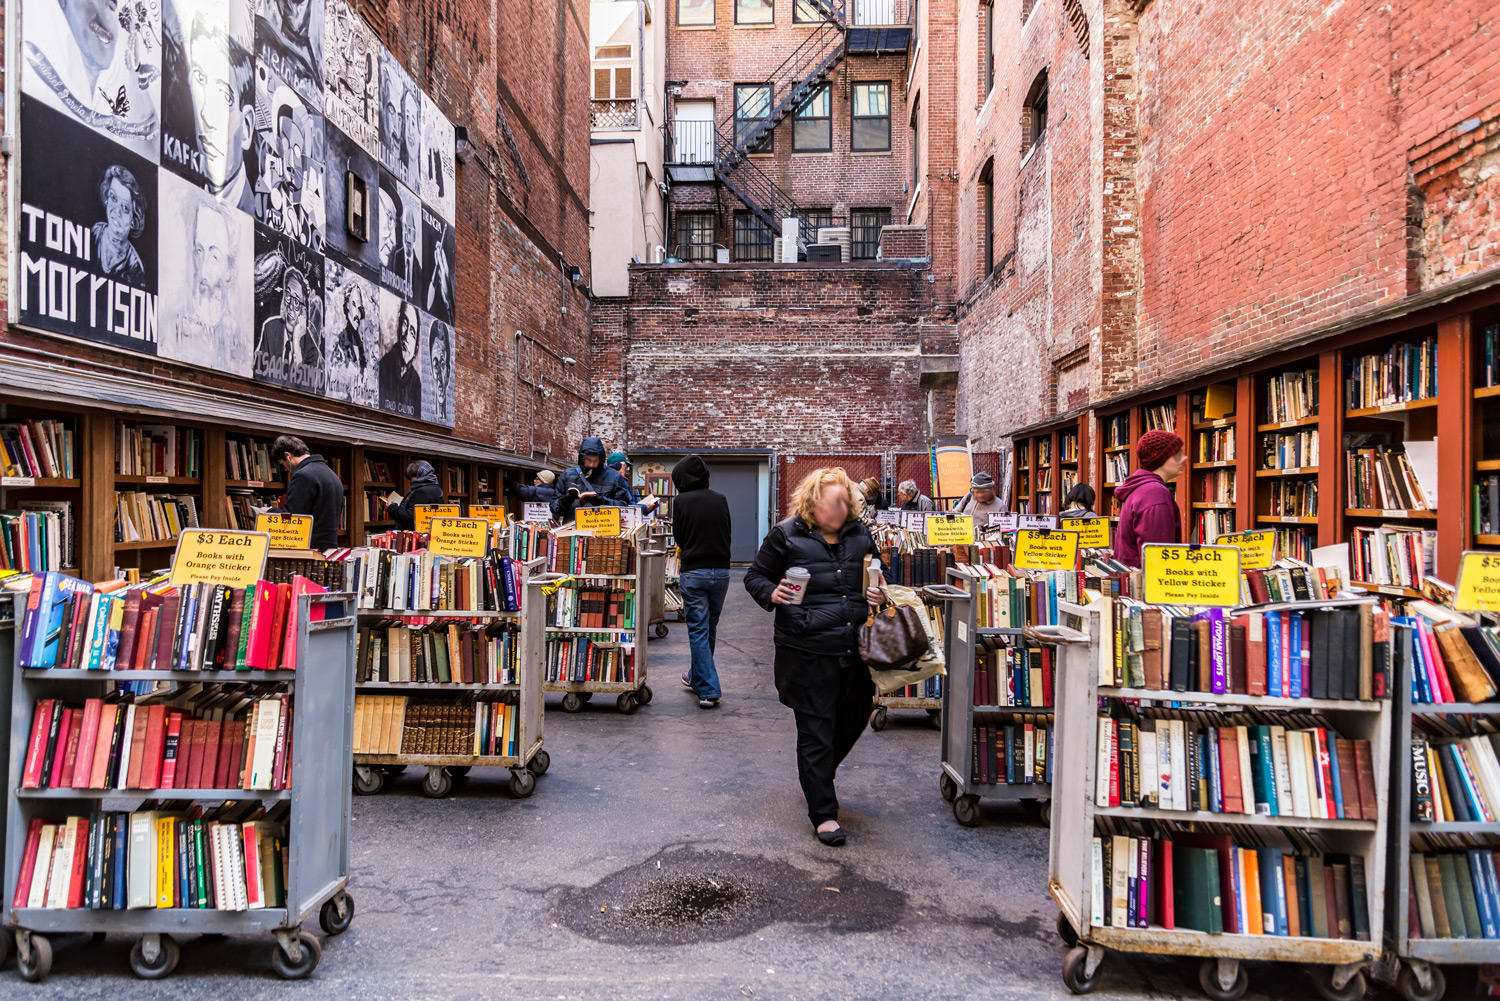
x: 252, y: 186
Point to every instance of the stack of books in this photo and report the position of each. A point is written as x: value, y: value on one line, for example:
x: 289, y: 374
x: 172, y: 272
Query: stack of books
x: 42, y: 535
x: 1392, y: 555
x: 248, y: 459
x: 422, y: 581
x: 603, y: 657
x: 1292, y: 396
x: 1290, y: 450
x: 433, y: 651
x: 1009, y: 676
x: 598, y: 606
x: 148, y: 517
x: 590, y: 555
x: 1448, y: 656
x: 38, y: 449
x: 1011, y: 748
x: 158, y: 450
x: 1403, y: 372
x: 1383, y: 479
x: 1454, y: 894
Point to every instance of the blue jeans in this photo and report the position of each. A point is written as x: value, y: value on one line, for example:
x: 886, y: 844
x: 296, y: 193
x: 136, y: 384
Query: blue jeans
x: 703, y: 594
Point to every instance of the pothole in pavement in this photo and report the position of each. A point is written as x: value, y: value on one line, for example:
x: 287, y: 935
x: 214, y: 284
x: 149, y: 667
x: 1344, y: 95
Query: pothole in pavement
x: 682, y: 896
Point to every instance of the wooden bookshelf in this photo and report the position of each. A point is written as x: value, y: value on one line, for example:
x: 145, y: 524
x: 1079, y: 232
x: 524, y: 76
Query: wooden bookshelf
x: 1214, y: 444
x: 1481, y: 432
x: 1114, y: 433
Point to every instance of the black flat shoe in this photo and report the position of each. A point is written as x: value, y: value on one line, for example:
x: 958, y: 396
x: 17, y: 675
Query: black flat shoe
x: 834, y: 837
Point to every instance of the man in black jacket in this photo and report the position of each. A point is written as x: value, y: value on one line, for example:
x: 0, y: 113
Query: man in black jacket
x: 700, y: 523
x: 589, y: 484
x: 311, y: 488
x: 424, y: 490
x: 542, y: 489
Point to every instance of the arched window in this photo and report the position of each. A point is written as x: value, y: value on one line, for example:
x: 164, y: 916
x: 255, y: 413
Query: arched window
x: 987, y: 216
x: 1034, y: 114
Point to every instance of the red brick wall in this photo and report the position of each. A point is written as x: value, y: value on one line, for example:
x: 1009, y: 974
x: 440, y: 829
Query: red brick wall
x: 903, y: 243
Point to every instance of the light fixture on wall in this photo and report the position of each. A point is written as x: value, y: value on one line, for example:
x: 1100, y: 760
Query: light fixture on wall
x: 463, y: 150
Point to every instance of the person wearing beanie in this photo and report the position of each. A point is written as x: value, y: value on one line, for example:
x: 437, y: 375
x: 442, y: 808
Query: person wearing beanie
x: 1148, y: 511
x: 620, y: 463
x: 539, y: 491
x: 981, y: 498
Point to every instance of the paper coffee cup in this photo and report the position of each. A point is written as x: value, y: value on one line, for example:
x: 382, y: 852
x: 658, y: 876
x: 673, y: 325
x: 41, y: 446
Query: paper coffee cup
x: 796, y: 579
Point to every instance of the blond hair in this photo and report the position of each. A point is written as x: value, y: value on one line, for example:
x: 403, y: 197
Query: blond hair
x: 810, y: 491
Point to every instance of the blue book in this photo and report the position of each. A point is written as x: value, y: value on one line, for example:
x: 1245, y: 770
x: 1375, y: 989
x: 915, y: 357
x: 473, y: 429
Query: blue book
x: 1010, y: 759
x: 42, y: 626
x: 1273, y: 886
x: 1331, y: 740
x: 1263, y: 771
x: 1211, y: 755
x: 1273, y: 654
x: 1294, y: 655
x: 33, y: 540
x: 122, y: 866
x: 100, y: 631
x: 189, y: 623
x: 1491, y: 884
x: 1487, y: 916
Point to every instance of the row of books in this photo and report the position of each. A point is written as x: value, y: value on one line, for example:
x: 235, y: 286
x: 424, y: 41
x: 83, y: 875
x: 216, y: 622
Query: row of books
x: 527, y: 541
x: 601, y: 657
x: 68, y: 623
x: 1383, y: 478
x: 379, y: 471
x: 1043, y: 452
x: 1292, y: 396
x: 1216, y: 445
x: 1212, y: 883
x: 1216, y: 486
x: 372, y: 505
x: 1014, y: 599
x: 395, y: 724
x: 1295, y: 543
x: 158, y: 450
x: 1209, y: 525
x: 932, y: 688
x: 1392, y: 555
x: 1289, y: 450
x: 423, y: 581
x: 1403, y: 372
x: 1011, y: 676
x: 223, y: 738
x: 41, y: 535
x: 1044, y: 480
x: 1116, y: 467
x: 1015, y: 749
x: 601, y: 606
x: 1331, y: 653
x: 248, y: 459
x: 154, y: 859
x: 590, y: 555
x: 1292, y: 498
x: 151, y: 517
x: 1228, y: 763
x: 1446, y: 656
x: 1159, y: 417
x: 1457, y: 780
x: 1487, y: 504
x: 1068, y: 448
x: 1117, y: 431
x: 1288, y: 580
x: 440, y: 652
x: 1453, y: 895
x: 38, y: 448
x: 397, y: 541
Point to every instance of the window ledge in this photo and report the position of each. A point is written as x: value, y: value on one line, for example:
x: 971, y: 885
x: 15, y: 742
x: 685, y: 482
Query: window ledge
x: 870, y: 152
x: 696, y: 27
x: 755, y: 26
x: 812, y: 152
x: 1026, y: 158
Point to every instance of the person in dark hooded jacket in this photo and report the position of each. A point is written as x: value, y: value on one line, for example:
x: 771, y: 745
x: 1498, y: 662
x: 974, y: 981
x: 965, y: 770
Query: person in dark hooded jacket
x: 424, y: 490
x: 1148, y: 511
x: 700, y: 523
x: 589, y: 484
x: 542, y: 490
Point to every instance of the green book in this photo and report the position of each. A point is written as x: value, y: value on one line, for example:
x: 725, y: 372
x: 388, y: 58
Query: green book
x: 1318, y: 890
x: 244, y: 646
x: 440, y: 656
x: 1465, y: 881
x: 1457, y: 916
x: 200, y: 853
x: 1195, y: 889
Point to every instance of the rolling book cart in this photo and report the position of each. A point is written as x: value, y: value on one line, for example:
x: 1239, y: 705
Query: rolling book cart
x: 668, y: 598
x: 317, y: 845
x: 1415, y: 964
x: 1337, y: 963
x: 958, y: 709
x: 530, y: 761
x: 884, y: 703
x: 629, y: 695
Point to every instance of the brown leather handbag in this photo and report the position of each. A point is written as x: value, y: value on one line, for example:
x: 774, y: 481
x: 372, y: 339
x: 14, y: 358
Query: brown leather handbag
x: 893, y: 638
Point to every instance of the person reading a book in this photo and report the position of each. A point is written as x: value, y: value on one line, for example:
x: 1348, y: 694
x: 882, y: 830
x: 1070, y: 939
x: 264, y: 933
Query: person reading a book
x: 424, y: 490
x: 589, y: 484
x: 1148, y: 510
x: 819, y: 674
x: 311, y: 488
x: 911, y: 498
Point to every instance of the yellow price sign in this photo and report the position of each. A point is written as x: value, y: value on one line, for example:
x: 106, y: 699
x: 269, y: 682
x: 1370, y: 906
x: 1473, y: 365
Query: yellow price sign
x: 458, y: 536
x: 950, y: 530
x: 1257, y: 549
x: 424, y: 513
x: 287, y: 531
x: 1046, y: 549
x: 1191, y: 575
x: 1478, y: 582
x: 219, y: 556
x: 489, y: 512
x: 599, y: 520
x: 1093, y: 533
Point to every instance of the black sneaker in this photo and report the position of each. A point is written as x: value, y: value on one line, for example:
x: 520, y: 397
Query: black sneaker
x: 708, y: 703
x: 686, y: 683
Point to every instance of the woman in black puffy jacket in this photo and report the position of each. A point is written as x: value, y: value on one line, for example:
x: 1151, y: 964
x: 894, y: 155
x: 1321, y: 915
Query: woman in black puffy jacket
x: 424, y: 490
x: 818, y: 670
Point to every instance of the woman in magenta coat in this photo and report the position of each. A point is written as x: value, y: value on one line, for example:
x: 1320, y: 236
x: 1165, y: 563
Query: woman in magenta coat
x: 1148, y: 511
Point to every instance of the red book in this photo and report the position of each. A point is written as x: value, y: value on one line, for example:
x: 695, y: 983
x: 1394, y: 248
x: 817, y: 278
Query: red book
x: 194, y: 764
x: 36, y: 747
x: 88, y: 736
x: 80, y: 854
x: 137, y: 738
x: 232, y: 725
x: 237, y: 759
x: 156, y: 738
x: 28, y: 862
x: 1365, y: 764
x: 258, y: 649
x: 169, y: 751
x: 1046, y: 675
x: 70, y: 759
x: 166, y: 631
x: 1166, y: 913
x: 1325, y: 769
x: 145, y: 640
x: 250, y: 836
x: 1229, y: 771
x: 279, y: 626
x: 60, y: 752
x: 129, y: 625
x: 213, y: 731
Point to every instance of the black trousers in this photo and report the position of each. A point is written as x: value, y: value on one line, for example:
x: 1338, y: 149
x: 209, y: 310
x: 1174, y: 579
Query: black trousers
x: 824, y: 740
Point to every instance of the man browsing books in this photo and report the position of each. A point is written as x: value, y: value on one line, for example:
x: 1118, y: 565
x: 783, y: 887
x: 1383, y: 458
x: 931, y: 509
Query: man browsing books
x: 311, y: 488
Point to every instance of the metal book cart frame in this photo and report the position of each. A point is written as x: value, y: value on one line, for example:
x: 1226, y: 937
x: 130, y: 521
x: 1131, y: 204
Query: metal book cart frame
x: 957, y: 713
x: 932, y: 706
x: 531, y: 762
x: 659, y: 538
x: 1414, y: 965
x: 1337, y: 964
x: 629, y: 695
x: 317, y: 831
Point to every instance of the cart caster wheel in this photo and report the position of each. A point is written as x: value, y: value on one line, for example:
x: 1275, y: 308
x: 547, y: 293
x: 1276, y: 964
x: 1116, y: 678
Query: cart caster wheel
x: 522, y: 783
x: 587, y: 697
x: 935, y: 719
x: 1046, y: 813
x: 312, y: 951
x: 966, y: 810
x: 458, y: 771
x: 1208, y: 980
x: 947, y: 787
x: 1411, y: 989
x: 1065, y: 931
x: 337, y: 914
x: 368, y: 781
x: 878, y: 718
x: 1074, y: 963
x: 626, y: 703
x: 393, y: 770
x: 539, y: 763
x: 571, y: 702
x: 661, y: 630
x: 167, y: 955
x: 35, y: 969
x: 643, y: 695
x: 437, y: 784
x: 1353, y: 990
